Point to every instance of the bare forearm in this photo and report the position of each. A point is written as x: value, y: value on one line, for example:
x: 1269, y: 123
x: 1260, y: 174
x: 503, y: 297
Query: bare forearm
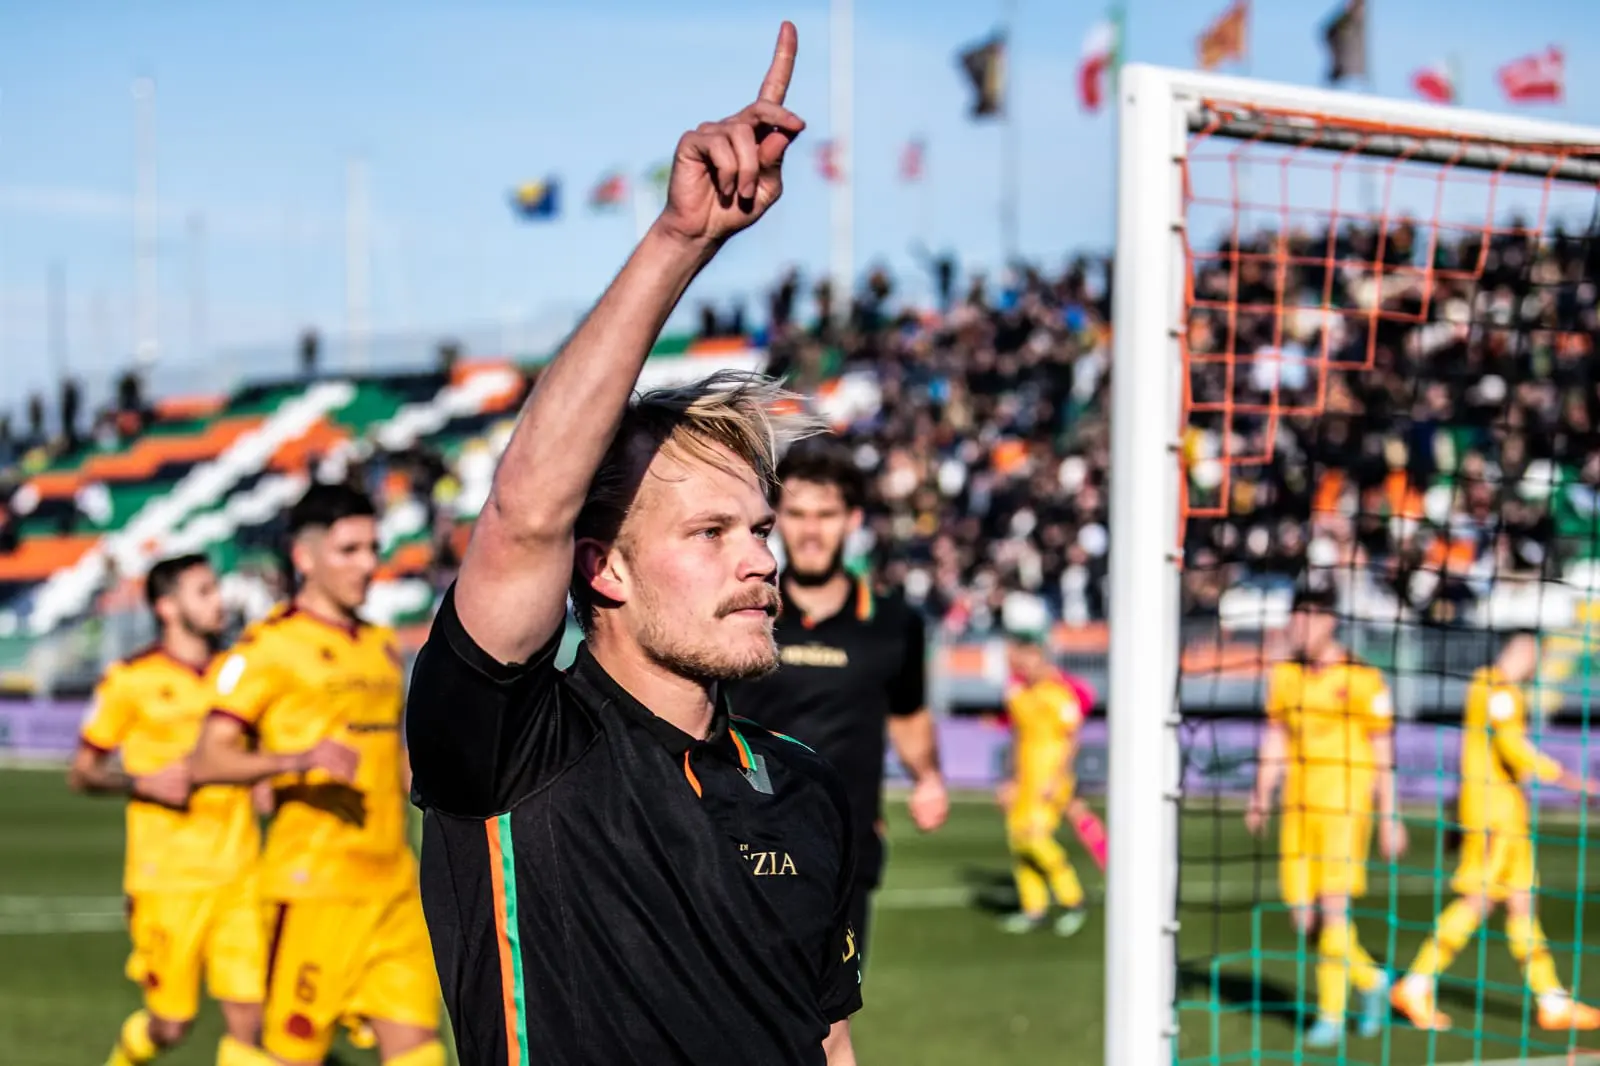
x: 220, y: 764
x: 573, y: 414
x: 916, y: 743
x: 100, y: 781
x: 838, y: 1047
x: 1383, y: 758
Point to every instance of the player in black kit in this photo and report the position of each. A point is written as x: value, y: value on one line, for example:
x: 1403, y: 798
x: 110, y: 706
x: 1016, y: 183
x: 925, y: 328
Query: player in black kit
x: 852, y: 663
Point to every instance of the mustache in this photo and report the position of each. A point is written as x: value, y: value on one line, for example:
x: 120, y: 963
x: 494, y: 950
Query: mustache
x: 765, y: 598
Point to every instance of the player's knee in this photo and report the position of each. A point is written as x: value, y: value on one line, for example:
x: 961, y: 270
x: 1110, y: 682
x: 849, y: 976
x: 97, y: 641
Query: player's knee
x: 242, y: 1021
x: 165, y: 1032
x: 1519, y: 904
x: 430, y: 1053
x: 1303, y: 919
x: 1335, y: 909
x: 407, y: 1045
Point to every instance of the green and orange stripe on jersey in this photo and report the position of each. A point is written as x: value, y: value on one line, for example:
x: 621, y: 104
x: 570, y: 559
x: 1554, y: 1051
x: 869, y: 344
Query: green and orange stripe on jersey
x: 508, y: 938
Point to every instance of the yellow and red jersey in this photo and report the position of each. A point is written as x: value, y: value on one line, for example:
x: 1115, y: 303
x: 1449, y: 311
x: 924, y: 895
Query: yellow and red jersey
x: 1497, y: 758
x: 1330, y: 713
x: 150, y: 708
x: 1045, y: 718
x: 293, y: 680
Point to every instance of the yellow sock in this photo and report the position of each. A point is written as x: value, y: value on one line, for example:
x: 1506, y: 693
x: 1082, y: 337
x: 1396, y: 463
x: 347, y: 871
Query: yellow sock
x: 1341, y: 961
x: 1051, y: 857
x: 134, y: 1045
x: 231, y: 1052
x: 1454, y: 927
x: 1032, y: 891
x: 429, y: 1054
x: 1364, y: 972
x: 1529, y: 947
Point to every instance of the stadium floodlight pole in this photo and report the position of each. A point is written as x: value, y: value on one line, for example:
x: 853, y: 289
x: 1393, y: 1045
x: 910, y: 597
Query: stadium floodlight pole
x: 147, y: 314
x: 357, y: 264
x: 841, y: 76
x: 1141, y: 702
x: 1158, y: 110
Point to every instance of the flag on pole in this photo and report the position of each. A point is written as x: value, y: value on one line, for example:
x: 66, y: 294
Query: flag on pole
x: 912, y: 158
x: 1226, y: 39
x: 985, y: 65
x: 1102, y: 47
x: 828, y: 161
x: 610, y: 192
x: 537, y: 200
x: 1345, y: 34
x: 1435, y: 83
x: 1536, y: 79
x: 659, y: 177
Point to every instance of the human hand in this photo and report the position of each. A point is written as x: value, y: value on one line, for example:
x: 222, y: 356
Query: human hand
x: 726, y: 174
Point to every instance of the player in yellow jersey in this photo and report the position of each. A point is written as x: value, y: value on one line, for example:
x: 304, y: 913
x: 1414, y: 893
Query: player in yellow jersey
x: 1045, y: 718
x: 320, y: 692
x: 1496, y: 862
x: 191, y: 853
x: 1330, y: 740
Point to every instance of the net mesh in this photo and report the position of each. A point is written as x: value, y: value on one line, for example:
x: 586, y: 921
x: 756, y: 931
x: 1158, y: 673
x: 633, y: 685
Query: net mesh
x: 1390, y: 397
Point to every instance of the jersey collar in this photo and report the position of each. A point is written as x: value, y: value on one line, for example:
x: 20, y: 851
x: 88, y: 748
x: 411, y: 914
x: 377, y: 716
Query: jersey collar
x: 592, y: 676
x: 861, y: 604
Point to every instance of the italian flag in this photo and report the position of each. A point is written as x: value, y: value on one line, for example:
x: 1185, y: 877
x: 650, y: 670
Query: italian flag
x: 1436, y: 83
x: 1101, y: 46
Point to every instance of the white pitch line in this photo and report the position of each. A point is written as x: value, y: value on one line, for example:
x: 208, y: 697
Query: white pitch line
x: 1548, y: 1060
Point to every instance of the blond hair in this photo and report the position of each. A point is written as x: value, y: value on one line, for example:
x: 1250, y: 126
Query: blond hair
x: 730, y: 411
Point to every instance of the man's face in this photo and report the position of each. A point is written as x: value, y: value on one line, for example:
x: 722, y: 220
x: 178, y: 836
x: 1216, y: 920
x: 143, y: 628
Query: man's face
x: 195, y: 603
x: 339, y: 561
x: 1311, y: 630
x: 814, y: 522
x: 692, y: 572
x: 1025, y: 659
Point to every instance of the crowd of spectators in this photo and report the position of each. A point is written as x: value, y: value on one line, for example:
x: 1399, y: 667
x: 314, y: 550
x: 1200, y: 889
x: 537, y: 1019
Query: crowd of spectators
x: 1439, y: 428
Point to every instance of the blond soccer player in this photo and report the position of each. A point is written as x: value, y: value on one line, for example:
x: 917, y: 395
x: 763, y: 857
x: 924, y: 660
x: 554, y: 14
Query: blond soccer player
x: 1329, y: 740
x: 1496, y: 865
x: 310, y: 699
x: 1045, y: 719
x: 189, y: 870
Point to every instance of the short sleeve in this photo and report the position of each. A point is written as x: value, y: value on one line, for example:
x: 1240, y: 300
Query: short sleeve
x: 1276, y: 695
x: 111, y: 712
x: 839, y: 992
x: 244, y: 683
x: 1379, y: 705
x: 909, y: 690
x: 484, y: 734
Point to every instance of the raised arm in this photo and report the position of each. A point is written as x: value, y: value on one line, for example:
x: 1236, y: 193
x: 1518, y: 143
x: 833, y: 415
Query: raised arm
x: 512, y: 588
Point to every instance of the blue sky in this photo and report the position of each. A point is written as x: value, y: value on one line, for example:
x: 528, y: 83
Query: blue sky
x: 261, y: 106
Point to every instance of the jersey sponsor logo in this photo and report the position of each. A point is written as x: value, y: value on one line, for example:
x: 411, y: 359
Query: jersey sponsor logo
x: 814, y: 655
x: 228, y: 677
x: 768, y: 863
x: 373, y: 727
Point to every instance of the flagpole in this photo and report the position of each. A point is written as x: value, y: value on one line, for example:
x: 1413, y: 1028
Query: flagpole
x: 357, y: 265
x: 147, y: 316
x: 1010, y: 149
x: 842, y: 205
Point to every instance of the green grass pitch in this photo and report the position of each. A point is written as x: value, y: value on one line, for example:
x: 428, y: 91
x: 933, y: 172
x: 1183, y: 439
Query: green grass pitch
x: 944, y: 987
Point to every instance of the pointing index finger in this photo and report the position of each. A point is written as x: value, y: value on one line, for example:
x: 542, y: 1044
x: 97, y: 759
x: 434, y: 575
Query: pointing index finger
x: 776, y: 84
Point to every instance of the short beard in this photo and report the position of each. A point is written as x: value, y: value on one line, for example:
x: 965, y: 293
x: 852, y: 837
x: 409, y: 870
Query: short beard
x: 706, y: 665
x: 816, y: 579
x: 666, y: 647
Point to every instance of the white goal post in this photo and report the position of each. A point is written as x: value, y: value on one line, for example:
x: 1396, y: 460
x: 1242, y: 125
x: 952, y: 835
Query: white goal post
x: 1157, y: 111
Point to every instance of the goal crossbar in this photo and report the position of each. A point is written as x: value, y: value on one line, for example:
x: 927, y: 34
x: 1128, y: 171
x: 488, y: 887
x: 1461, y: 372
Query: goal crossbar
x: 1158, y: 111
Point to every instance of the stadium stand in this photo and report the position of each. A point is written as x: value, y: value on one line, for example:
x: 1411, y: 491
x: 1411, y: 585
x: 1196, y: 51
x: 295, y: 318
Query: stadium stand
x: 985, y: 423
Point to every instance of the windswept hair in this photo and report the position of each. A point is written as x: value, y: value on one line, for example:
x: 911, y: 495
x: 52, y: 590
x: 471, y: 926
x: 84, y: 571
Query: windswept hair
x: 750, y: 415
